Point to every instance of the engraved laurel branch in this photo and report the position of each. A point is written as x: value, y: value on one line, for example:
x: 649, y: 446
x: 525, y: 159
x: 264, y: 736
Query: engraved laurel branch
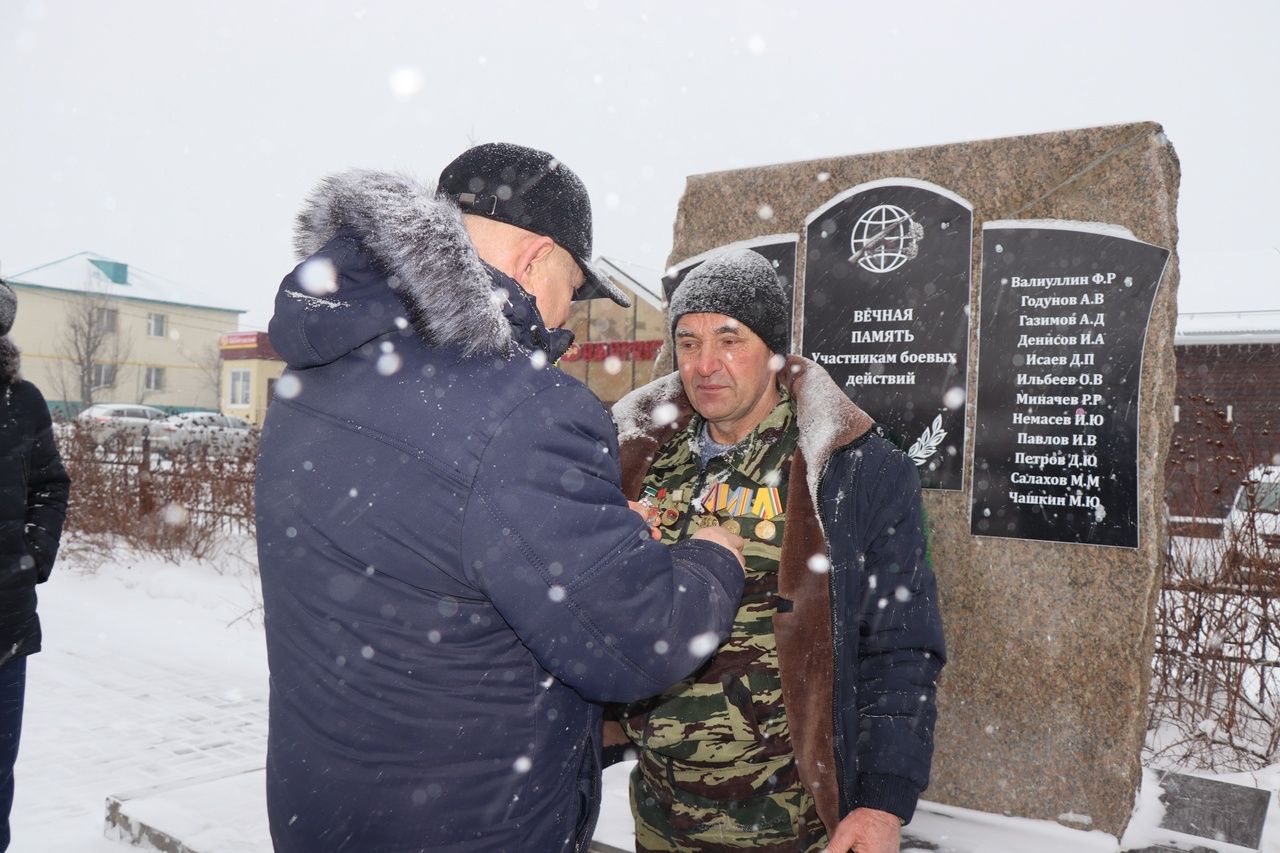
x: 927, y: 444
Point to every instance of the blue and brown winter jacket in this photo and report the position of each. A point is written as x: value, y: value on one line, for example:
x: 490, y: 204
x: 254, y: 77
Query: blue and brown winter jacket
x: 859, y: 633
x: 451, y: 577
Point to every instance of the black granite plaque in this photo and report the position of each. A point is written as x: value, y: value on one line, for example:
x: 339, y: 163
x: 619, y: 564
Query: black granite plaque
x: 886, y: 312
x: 1065, y: 307
x: 1209, y: 808
x: 778, y: 249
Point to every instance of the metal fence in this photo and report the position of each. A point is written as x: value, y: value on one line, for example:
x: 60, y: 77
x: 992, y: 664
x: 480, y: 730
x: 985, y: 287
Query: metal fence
x: 173, y: 503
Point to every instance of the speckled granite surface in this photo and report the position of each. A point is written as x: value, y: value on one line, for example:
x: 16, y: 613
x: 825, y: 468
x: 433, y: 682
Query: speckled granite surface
x: 1043, y: 702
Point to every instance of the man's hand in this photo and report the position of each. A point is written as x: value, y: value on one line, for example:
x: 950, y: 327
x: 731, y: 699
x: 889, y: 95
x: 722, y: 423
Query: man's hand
x: 650, y: 516
x: 866, y: 831
x: 725, y: 539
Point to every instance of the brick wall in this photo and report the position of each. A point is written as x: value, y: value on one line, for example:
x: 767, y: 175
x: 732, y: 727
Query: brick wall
x: 1228, y: 420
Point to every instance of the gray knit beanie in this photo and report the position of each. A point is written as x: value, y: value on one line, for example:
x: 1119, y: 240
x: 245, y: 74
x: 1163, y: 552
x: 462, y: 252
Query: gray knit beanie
x: 740, y: 284
x: 8, y: 307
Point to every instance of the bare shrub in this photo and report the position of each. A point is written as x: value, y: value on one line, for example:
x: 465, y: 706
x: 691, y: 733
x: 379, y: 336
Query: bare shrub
x: 176, y: 504
x: 1215, y: 702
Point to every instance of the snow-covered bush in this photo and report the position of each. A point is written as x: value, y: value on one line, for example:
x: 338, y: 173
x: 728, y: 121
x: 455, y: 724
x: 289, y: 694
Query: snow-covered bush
x: 1215, y: 702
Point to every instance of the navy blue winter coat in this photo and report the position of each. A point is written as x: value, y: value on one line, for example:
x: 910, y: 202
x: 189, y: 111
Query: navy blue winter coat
x: 451, y: 576
x: 859, y: 632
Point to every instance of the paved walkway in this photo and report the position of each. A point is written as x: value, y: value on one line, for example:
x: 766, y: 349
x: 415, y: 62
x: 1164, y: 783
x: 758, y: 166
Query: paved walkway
x: 136, y: 726
x: 137, y: 686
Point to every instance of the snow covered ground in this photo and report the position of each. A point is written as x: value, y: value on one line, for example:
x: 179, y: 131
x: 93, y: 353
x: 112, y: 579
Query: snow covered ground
x: 149, y: 675
x: 154, y: 674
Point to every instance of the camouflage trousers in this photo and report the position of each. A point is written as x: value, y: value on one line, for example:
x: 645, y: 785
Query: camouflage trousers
x: 672, y: 819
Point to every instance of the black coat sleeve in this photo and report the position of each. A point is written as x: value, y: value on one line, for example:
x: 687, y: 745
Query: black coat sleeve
x: 48, y: 487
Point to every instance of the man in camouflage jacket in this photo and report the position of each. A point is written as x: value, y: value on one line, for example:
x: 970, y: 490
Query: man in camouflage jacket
x: 812, y: 726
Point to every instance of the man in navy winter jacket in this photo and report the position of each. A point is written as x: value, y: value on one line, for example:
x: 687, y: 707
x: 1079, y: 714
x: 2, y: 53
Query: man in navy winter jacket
x: 451, y: 576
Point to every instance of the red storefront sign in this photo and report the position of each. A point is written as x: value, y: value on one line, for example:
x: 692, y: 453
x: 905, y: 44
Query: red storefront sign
x: 623, y: 350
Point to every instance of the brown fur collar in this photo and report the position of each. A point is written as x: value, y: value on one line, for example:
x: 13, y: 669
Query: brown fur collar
x: 826, y: 418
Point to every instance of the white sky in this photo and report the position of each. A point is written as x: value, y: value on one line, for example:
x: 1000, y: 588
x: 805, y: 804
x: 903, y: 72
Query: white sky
x: 180, y: 137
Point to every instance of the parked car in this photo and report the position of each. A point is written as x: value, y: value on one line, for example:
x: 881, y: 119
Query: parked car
x: 201, y: 432
x: 132, y: 421
x: 1252, y: 528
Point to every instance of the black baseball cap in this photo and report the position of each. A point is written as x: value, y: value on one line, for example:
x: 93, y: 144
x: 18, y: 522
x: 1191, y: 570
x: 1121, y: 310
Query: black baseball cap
x: 532, y: 190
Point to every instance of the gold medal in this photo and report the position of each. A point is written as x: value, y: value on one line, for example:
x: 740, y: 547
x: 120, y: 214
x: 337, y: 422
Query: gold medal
x: 733, y: 526
x: 766, y: 530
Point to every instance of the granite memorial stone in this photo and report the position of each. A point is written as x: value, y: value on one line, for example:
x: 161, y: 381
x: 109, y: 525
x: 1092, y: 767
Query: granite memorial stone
x: 1042, y: 705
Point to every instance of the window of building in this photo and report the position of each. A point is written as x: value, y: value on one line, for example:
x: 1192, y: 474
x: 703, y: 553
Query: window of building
x: 155, y: 379
x: 104, y: 375
x: 105, y: 319
x: 239, y: 388
x: 156, y: 325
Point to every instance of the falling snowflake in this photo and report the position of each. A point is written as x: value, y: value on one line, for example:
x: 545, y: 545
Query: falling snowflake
x: 405, y: 82
x: 288, y: 386
x: 389, y: 363
x: 318, y: 276
x: 664, y: 414
x: 704, y: 644
x: 175, y: 515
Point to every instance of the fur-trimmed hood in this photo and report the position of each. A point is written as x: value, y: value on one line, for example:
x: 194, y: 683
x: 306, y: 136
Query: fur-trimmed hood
x: 406, y: 245
x: 10, y: 362
x: 826, y: 418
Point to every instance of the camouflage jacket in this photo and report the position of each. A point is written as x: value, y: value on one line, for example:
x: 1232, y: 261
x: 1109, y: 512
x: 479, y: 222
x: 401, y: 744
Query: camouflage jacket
x: 858, y: 632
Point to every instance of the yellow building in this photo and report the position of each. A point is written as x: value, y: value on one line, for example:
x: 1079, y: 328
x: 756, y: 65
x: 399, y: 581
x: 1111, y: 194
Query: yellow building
x: 95, y: 330
x: 250, y: 368
x: 616, y: 347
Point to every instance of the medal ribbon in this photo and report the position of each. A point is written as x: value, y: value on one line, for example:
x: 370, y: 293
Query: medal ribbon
x: 763, y: 502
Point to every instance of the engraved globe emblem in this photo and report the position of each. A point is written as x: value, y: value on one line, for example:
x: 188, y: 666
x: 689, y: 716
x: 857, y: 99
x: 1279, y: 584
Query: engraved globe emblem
x: 884, y: 238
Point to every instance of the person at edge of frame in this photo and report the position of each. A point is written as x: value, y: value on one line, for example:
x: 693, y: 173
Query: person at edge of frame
x: 34, y: 488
